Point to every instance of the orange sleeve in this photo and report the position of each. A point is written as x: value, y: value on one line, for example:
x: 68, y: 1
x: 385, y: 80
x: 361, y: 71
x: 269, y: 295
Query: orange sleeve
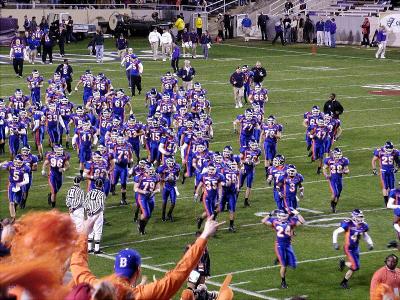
x: 375, y: 281
x: 168, y: 286
x: 79, y: 263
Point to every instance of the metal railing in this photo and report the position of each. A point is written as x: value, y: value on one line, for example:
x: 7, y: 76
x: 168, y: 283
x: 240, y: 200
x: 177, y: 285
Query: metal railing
x: 221, y: 5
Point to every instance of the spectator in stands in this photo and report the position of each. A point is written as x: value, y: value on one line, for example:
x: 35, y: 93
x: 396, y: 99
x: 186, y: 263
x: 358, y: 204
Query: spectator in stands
x: 308, y: 31
x: 70, y: 27
x: 179, y: 25
x: 199, y: 25
x: 99, y: 46
x: 154, y: 40
x: 166, y: 41
x: 278, y: 32
x: 294, y: 25
x: 259, y: 73
x: 262, y: 24
x: 320, y: 27
x: 246, y: 27
x: 288, y: 7
x: 366, y: 30
x: 388, y: 275
x: 220, y: 26
x: 302, y: 7
x: 381, y: 38
x: 287, y: 29
x: 205, y: 42
x: 300, y: 29
x: 333, y: 33
x: 327, y: 32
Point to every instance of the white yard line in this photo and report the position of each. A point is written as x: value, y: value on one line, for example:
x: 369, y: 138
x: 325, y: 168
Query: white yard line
x: 239, y: 283
x: 299, y: 262
x: 269, y: 290
x: 165, y: 264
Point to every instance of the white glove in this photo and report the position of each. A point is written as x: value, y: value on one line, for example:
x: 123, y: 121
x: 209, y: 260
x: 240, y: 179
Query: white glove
x: 16, y: 189
x: 43, y: 173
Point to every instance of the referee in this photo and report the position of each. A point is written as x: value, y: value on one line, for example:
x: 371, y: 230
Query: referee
x: 94, y: 207
x: 74, y: 202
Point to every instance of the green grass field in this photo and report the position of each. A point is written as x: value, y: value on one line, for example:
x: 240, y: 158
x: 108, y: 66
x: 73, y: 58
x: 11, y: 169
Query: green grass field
x: 296, y: 80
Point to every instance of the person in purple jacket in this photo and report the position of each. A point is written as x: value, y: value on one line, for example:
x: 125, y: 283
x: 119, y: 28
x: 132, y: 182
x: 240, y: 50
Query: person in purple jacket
x: 333, y: 33
x: 327, y: 32
x: 381, y: 38
x: 319, y: 27
x: 176, y: 52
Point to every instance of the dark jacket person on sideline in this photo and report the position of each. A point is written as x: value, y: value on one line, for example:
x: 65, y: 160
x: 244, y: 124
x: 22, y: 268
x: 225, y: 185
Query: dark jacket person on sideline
x: 333, y: 107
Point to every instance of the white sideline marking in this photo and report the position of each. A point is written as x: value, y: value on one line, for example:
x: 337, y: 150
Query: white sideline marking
x: 310, y: 210
x: 239, y: 283
x: 165, y: 264
x: 269, y: 290
x: 299, y: 262
x: 155, y: 268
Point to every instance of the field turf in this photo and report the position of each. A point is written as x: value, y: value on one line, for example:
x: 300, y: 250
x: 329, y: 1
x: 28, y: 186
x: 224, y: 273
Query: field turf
x: 296, y: 81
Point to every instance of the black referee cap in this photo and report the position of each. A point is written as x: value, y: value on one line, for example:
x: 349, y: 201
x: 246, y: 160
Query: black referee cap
x: 77, y: 180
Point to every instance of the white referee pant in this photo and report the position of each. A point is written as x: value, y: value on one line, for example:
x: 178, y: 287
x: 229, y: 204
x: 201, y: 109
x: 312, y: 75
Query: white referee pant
x: 320, y: 38
x: 78, y: 217
x: 328, y: 39
x: 97, y: 232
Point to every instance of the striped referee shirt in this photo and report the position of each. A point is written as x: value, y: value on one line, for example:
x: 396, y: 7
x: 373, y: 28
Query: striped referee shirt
x: 75, y: 197
x: 94, y: 202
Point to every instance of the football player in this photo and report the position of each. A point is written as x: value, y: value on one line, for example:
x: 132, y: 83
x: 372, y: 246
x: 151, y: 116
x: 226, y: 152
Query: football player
x: 119, y: 103
x: 388, y: 158
x: 168, y: 145
x: 354, y: 228
x: 17, y: 179
x: 167, y: 108
x: 151, y: 101
x: 288, y: 185
x: 271, y: 134
x: 248, y: 78
x: 318, y: 135
x: 31, y: 161
x: 211, y: 185
x: 247, y: 124
x: 86, y: 80
x: 310, y: 120
x: 39, y: 128
x: 169, y: 174
x: 53, y: 124
x: 277, y: 170
x: 259, y: 96
x: 123, y: 158
x: 284, y: 224
x: 25, y: 123
x: 249, y: 158
x: 230, y: 191
x: 146, y: 185
x: 97, y: 168
x: 66, y: 110
x: 133, y: 131
x: 35, y: 83
x: 5, y: 113
x: 83, y: 140
x: 57, y: 161
x: 19, y: 101
x: 12, y: 130
x: 169, y: 85
x: 334, y: 168
x: 153, y: 133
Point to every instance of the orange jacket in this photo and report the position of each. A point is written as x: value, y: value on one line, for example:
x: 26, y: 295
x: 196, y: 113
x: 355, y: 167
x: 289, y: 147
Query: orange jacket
x: 161, y: 289
x: 387, y: 277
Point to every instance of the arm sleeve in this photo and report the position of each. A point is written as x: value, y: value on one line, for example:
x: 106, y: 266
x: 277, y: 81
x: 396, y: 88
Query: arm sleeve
x: 79, y: 264
x: 376, y: 279
x: 166, y: 287
x: 336, y: 233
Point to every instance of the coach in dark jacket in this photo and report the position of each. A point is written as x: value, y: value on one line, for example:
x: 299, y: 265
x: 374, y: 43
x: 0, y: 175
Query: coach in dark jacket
x: 259, y: 73
x: 262, y: 24
x: 66, y: 72
x: 333, y: 107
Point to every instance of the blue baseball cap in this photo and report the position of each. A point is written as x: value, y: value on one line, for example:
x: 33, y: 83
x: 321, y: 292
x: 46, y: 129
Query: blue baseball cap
x: 127, y: 262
